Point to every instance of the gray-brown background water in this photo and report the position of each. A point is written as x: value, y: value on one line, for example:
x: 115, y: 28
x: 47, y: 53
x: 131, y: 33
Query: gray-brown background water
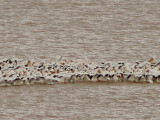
x: 97, y: 30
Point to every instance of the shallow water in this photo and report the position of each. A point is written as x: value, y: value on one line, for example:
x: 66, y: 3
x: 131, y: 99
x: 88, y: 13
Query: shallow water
x: 97, y: 30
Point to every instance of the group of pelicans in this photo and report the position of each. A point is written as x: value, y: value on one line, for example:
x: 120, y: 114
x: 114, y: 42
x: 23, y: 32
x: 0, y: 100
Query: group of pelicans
x: 27, y: 72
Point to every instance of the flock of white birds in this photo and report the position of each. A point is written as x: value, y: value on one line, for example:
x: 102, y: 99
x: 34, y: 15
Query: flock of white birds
x: 27, y: 72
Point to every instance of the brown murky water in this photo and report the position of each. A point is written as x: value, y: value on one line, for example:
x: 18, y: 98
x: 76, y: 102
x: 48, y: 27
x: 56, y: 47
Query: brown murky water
x: 81, y: 101
x: 97, y: 30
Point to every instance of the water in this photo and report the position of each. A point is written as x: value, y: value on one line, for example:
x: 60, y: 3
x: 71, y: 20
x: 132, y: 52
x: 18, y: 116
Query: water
x: 96, y: 30
x: 81, y: 101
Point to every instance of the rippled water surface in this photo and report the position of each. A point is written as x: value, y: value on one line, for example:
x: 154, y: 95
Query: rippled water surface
x: 97, y: 30
x: 81, y: 101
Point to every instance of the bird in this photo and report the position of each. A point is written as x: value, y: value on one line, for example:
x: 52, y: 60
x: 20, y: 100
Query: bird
x: 73, y: 79
x: 17, y: 82
x: 94, y: 78
x: 131, y: 78
x: 5, y: 83
x: 27, y: 72
x: 149, y: 78
x: 86, y: 77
